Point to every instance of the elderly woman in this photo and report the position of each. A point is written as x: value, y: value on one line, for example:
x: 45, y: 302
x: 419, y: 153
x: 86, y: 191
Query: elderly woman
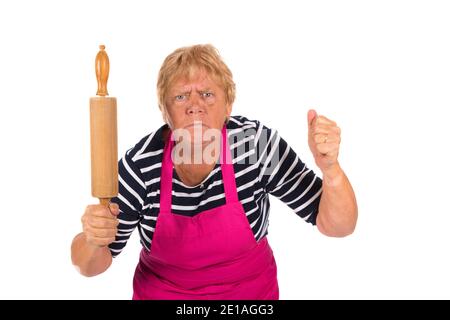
x: 198, y: 191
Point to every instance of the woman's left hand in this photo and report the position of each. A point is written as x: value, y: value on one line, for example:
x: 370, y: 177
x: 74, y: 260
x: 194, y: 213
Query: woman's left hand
x: 324, y: 138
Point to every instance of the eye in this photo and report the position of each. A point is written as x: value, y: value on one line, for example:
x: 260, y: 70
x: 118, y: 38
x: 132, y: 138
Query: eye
x: 207, y: 94
x: 180, y: 97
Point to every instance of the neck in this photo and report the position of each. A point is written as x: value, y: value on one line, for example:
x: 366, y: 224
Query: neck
x: 193, y: 174
x: 194, y: 168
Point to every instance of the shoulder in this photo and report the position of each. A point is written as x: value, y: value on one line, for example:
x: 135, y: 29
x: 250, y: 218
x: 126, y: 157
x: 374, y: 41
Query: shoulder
x: 240, y: 127
x: 242, y: 122
x: 150, y: 145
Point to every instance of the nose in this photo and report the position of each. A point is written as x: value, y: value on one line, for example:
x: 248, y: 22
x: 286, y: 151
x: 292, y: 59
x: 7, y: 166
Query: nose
x: 195, y: 106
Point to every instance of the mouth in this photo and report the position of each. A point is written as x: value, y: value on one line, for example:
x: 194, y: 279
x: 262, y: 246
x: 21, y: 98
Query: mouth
x: 197, y: 132
x: 197, y: 124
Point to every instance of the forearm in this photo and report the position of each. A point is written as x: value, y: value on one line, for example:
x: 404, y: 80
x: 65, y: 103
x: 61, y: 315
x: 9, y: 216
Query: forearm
x: 90, y: 260
x: 338, y: 211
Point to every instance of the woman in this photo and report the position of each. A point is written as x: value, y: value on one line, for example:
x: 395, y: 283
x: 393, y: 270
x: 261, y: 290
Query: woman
x: 197, y: 188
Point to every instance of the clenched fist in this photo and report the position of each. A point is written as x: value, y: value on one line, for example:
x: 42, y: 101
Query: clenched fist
x: 100, y: 224
x: 324, y: 138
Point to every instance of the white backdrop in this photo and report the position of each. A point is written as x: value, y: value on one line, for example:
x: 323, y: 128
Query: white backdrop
x: 380, y: 69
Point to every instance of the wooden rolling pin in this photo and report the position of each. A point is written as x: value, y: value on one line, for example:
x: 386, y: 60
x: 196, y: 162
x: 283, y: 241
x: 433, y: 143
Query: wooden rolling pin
x: 103, y: 119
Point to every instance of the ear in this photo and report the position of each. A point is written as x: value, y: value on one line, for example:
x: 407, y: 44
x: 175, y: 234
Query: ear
x: 228, y: 108
x: 165, y: 117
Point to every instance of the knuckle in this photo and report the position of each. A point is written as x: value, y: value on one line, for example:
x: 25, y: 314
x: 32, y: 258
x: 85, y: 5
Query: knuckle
x: 102, y: 223
x: 108, y: 233
x: 106, y: 241
x: 90, y: 220
x: 99, y: 210
x: 321, y: 148
x: 104, y: 234
x: 112, y: 232
x: 88, y: 231
x: 108, y: 224
x: 99, y: 233
x: 317, y: 139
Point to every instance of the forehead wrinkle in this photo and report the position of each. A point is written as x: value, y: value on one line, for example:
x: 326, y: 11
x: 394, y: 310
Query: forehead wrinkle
x: 195, y: 74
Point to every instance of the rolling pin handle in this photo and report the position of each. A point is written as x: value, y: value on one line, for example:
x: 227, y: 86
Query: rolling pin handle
x: 102, y: 71
x: 105, y: 202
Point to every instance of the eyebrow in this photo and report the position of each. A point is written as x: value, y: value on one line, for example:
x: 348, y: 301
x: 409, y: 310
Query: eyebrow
x: 184, y: 91
x: 178, y: 92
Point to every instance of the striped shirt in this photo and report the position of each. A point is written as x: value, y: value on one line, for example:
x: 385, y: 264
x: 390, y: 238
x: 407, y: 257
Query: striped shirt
x: 263, y: 164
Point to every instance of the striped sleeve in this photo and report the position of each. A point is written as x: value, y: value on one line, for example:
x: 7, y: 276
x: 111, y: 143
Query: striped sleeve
x: 130, y: 199
x: 286, y: 177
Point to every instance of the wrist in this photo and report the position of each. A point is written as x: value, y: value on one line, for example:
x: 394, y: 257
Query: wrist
x: 333, y: 175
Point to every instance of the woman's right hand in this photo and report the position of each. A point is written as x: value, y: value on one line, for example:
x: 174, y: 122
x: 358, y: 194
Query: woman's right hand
x: 100, y: 224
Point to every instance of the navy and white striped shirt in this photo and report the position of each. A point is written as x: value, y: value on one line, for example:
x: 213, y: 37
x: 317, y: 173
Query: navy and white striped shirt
x: 263, y: 164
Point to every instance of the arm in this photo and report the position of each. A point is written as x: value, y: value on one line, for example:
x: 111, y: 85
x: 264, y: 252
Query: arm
x: 285, y: 176
x: 106, y: 232
x: 338, y: 210
x: 90, y: 252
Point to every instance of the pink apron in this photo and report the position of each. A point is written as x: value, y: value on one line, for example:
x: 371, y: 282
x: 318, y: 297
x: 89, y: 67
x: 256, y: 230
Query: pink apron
x: 213, y: 255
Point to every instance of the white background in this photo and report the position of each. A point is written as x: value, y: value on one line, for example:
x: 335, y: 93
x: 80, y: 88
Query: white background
x: 380, y: 69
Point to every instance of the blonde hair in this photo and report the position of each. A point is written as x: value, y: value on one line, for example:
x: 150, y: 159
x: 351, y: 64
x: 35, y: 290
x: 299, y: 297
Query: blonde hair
x: 183, y: 62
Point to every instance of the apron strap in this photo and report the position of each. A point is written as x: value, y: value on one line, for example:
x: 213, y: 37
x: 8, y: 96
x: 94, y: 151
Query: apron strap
x: 229, y: 179
x: 166, y: 176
